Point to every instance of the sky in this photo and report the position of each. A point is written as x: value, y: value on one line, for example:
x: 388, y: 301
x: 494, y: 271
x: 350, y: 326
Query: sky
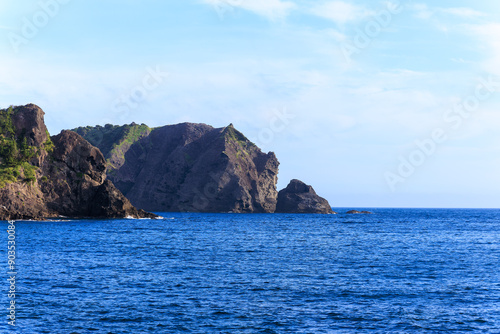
x: 373, y: 103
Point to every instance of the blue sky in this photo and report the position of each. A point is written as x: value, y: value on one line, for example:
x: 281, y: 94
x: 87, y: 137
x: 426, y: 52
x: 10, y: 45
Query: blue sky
x: 342, y: 91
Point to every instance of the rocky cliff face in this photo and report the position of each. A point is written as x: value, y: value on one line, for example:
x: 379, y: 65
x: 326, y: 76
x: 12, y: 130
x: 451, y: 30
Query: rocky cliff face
x: 114, y: 141
x: 189, y: 167
x: 299, y: 197
x: 43, y: 177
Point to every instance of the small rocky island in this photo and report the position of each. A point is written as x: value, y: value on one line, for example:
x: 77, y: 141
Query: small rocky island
x: 299, y: 197
x: 49, y: 177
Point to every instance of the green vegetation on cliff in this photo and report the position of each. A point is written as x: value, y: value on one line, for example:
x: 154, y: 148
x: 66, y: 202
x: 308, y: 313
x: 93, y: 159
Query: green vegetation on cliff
x: 243, y: 144
x: 110, y: 138
x: 15, y: 153
x: 114, y: 140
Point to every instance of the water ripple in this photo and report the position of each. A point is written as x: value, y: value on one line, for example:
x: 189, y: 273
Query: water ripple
x: 398, y: 271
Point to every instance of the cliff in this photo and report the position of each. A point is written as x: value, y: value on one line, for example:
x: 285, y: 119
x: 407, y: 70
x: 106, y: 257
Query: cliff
x: 188, y: 167
x: 299, y: 197
x: 46, y: 177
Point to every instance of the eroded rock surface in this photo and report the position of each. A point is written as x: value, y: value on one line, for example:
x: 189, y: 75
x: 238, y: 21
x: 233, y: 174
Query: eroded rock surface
x: 59, y: 176
x: 299, y: 197
x: 188, y: 167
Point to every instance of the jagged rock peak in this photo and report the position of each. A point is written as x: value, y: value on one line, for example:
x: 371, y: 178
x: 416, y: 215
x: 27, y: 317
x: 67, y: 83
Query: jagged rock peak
x: 296, y: 186
x: 29, y: 122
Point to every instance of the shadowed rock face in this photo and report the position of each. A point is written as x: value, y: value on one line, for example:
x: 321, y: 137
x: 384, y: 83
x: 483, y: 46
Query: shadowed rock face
x: 70, y: 178
x: 299, y: 197
x: 192, y: 168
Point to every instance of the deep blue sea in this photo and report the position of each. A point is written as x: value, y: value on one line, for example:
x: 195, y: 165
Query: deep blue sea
x: 396, y: 271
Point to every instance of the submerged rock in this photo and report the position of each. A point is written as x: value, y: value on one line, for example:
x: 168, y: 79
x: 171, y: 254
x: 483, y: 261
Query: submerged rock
x: 299, y: 197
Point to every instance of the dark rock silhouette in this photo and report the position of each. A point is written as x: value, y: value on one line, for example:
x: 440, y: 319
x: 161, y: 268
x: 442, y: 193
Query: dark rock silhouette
x: 299, y: 197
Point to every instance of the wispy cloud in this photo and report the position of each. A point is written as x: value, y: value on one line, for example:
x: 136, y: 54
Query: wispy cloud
x: 488, y: 34
x: 463, y: 12
x: 340, y: 12
x: 336, y: 35
x: 423, y: 11
x: 271, y: 9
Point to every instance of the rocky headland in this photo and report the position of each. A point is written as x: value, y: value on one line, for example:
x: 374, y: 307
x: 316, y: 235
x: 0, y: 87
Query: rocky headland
x: 192, y: 167
x: 188, y: 167
x: 49, y: 177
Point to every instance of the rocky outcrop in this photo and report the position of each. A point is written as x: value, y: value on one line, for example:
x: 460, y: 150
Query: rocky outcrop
x: 46, y: 177
x: 355, y: 212
x: 299, y: 197
x: 188, y: 167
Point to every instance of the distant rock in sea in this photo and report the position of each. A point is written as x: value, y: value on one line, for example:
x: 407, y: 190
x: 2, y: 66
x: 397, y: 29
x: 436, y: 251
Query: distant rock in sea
x: 299, y: 197
x: 187, y: 167
x: 358, y: 212
x: 47, y: 177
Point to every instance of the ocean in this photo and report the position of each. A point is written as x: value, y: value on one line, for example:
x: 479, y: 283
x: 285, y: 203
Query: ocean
x: 396, y: 271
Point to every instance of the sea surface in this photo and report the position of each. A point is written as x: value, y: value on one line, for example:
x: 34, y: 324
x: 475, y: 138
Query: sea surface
x: 396, y: 271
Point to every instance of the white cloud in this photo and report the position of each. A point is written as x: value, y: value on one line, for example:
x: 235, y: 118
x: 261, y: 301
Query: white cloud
x: 463, y: 12
x: 446, y: 20
x: 341, y: 12
x: 422, y: 11
x: 336, y: 35
x: 461, y: 61
x: 271, y: 9
x: 488, y: 34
